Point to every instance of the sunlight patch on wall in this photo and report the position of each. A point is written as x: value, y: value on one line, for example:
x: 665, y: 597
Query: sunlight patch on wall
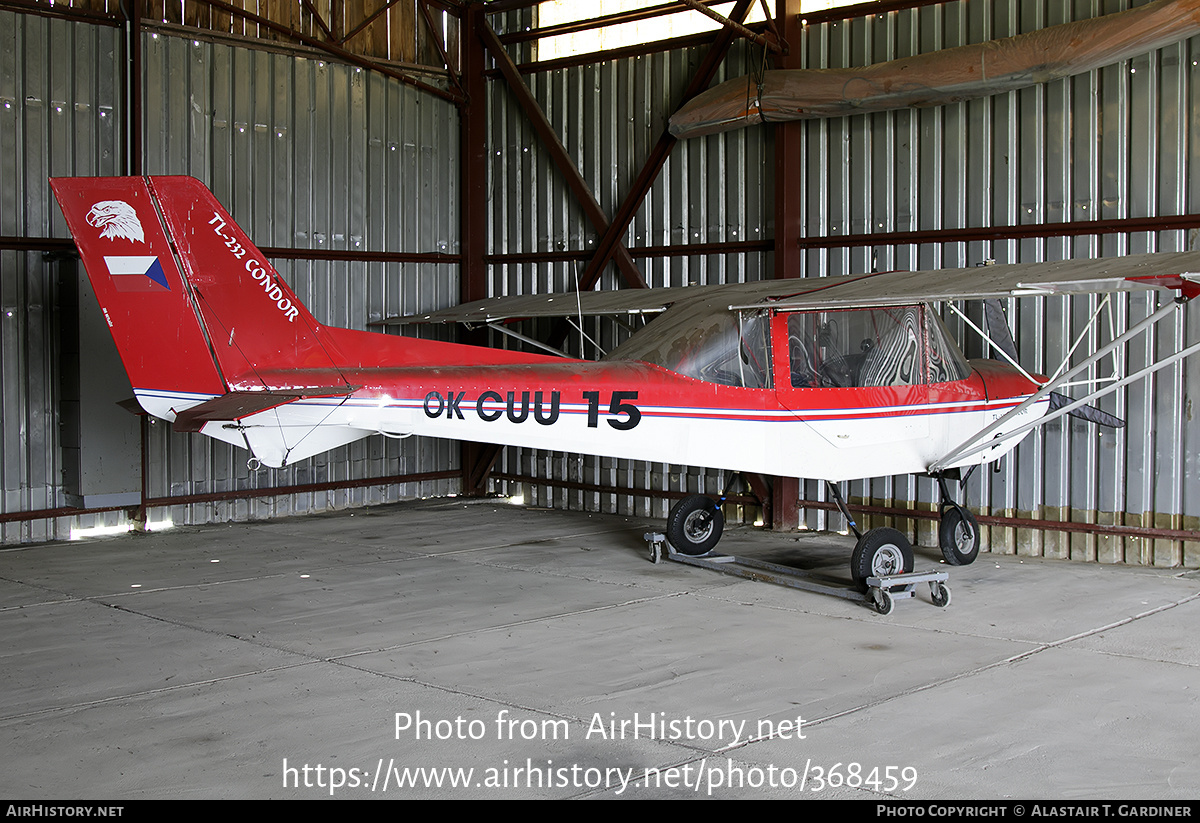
x: 683, y: 23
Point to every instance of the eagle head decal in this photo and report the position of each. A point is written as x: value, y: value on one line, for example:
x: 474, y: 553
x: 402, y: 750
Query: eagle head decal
x: 116, y: 218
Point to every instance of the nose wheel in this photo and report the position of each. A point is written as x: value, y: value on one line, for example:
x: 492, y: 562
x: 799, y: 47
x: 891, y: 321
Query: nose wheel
x: 882, y: 566
x: 958, y: 536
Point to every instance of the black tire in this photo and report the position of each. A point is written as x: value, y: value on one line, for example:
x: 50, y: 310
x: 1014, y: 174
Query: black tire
x: 884, y: 603
x: 958, y: 536
x: 880, y: 553
x: 694, y: 525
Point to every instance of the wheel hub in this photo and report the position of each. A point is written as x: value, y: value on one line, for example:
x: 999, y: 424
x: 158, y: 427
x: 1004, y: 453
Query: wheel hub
x: 963, y: 537
x: 888, y: 560
x: 698, y: 526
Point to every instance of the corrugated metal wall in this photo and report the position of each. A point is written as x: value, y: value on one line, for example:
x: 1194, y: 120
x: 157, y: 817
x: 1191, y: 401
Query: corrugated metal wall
x: 1115, y: 143
x: 60, y: 114
x: 304, y: 154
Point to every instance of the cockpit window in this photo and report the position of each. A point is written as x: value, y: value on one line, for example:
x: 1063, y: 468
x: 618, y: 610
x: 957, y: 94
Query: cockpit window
x: 902, y: 346
x: 946, y: 360
x: 709, y: 343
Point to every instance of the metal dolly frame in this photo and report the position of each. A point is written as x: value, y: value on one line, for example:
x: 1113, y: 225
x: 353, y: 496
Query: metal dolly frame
x: 882, y: 592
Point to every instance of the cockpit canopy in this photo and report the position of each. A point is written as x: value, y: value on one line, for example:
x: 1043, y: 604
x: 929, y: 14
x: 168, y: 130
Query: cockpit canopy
x: 705, y: 340
x: 837, y: 348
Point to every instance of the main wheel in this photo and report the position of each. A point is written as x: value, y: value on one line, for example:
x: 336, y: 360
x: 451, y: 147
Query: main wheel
x: 694, y: 525
x: 958, y: 535
x: 881, y: 553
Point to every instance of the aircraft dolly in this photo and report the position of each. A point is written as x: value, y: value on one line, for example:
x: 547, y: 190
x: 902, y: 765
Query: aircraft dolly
x: 881, y: 592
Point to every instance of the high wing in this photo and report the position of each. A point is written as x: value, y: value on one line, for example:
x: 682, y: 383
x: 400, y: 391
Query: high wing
x: 1178, y: 271
x: 520, y: 307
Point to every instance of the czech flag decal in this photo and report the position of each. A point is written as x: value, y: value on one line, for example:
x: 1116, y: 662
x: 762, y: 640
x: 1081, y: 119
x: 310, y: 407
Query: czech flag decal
x: 136, y: 273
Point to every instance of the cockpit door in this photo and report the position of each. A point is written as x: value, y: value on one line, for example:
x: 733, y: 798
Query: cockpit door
x: 857, y: 376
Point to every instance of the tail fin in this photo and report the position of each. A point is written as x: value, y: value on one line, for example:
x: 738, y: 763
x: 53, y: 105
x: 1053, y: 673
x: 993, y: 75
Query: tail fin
x: 212, y: 338
x: 207, y: 330
x: 204, y: 310
x: 143, y: 296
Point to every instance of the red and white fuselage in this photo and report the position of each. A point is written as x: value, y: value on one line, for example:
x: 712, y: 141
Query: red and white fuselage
x: 639, y: 411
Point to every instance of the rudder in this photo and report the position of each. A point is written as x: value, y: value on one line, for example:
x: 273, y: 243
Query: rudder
x: 257, y: 326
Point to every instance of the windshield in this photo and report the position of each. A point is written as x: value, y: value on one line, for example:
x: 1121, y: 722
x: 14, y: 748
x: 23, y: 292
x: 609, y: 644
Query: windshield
x: 705, y: 340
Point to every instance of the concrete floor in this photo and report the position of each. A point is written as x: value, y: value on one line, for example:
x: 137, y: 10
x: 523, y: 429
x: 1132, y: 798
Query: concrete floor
x: 198, y: 662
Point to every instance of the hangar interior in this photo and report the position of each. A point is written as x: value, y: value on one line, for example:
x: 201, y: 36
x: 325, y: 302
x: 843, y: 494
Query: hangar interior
x: 396, y: 157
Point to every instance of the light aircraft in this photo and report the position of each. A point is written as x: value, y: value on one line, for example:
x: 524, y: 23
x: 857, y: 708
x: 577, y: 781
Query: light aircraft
x: 834, y: 378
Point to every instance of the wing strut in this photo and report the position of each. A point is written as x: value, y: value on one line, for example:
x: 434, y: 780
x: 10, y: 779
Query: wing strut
x: 983, y: 440
x: 1003, y: 343
x: 526, y: 339
x: 999, y: 337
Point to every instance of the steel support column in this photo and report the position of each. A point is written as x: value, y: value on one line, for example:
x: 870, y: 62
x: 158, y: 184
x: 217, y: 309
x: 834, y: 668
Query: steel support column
x: 133, y: 90
x: 473, y: 204
x: 789, y: 163
x: 789, y: 209
x: 476, y: 459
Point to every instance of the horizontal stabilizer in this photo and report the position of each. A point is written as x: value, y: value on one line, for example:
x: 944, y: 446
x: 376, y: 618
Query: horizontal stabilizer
x: 239, y: 405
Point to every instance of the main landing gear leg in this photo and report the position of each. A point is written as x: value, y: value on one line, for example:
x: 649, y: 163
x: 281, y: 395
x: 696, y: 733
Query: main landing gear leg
x: 880, y: 552
x: 958, y: 533
x: 836, y: 491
